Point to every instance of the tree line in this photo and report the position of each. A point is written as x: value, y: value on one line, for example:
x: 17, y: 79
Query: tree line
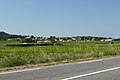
x: 6, y: 36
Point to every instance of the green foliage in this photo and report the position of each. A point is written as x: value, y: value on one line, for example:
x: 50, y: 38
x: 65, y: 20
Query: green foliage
x: 17, y: 55
x: 12, y: 60
x: 30, y: 44
x: 53, y: 39
x: 5, y: 36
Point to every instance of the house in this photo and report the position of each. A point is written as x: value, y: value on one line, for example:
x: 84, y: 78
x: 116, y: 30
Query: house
x: 108, y: 40
x: 102, y: 40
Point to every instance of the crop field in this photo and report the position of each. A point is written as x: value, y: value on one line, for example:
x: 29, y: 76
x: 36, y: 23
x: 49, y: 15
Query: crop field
x: 11, y: 56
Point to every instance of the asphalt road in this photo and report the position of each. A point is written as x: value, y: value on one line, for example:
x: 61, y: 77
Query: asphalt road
x: 102, y: 69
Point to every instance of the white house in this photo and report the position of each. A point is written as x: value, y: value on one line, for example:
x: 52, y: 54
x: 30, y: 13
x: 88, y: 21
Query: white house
x: 108, y: 40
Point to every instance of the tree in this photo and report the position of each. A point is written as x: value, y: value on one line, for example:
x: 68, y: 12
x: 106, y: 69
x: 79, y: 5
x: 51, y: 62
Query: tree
x: 53, y: 39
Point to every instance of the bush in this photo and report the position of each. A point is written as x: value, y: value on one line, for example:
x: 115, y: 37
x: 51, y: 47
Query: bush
x: 12, y: 61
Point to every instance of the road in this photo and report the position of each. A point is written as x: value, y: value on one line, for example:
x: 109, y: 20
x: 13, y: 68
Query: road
x: 102, y: 69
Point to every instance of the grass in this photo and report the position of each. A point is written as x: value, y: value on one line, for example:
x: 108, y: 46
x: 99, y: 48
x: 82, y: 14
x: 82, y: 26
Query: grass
x: 17, y: 56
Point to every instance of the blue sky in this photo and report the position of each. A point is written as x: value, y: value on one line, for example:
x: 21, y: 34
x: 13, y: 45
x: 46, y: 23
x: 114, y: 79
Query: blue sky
x: 61, y: 17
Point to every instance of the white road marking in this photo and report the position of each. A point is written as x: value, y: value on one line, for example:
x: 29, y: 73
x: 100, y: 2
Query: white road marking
x: 97, y: 60
x: 91, y: 61
x: 92, y: 73
x: 19, y: 71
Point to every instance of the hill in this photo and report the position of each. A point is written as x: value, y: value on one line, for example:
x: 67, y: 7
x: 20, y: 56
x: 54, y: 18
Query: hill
x: 5, y: 36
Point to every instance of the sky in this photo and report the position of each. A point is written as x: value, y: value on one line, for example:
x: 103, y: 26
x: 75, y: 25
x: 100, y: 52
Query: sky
x: 61, y: 17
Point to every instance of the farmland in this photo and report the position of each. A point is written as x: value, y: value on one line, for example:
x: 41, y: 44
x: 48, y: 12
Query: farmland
x: 11, y: 56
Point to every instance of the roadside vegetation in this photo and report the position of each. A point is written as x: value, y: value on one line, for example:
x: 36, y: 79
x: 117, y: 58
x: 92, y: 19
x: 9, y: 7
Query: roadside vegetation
x: 11, y: 56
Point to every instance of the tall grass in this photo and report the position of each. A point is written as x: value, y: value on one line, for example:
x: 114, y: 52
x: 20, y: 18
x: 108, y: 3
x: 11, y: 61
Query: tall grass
x: 17, y: 56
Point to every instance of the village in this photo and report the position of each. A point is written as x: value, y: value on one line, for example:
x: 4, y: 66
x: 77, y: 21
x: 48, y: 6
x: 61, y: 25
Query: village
x: 34, y: 39
x: 62, y: 39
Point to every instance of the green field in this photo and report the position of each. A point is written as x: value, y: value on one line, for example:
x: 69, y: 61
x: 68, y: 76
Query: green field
x: 11, y: 56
